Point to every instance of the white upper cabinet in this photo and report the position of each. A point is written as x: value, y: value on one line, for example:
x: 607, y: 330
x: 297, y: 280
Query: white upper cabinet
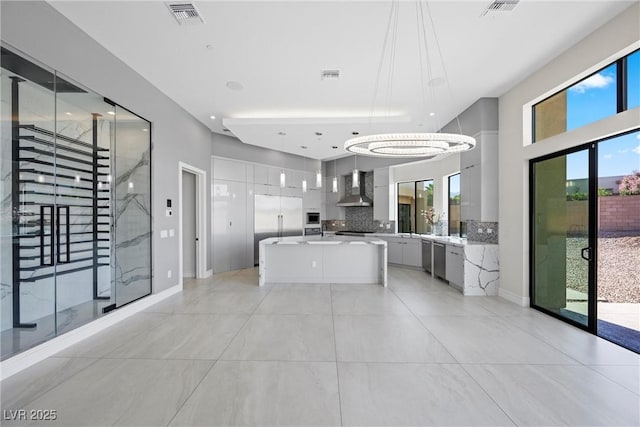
x: 229, y: 170
x: 479, y: 180
x: 381, y: 197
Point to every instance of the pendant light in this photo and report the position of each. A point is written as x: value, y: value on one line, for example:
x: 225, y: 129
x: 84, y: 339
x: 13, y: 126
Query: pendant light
x: 304, y: 174
x: 355, y: 175
x: 334, y: 187
x: 412, y: 144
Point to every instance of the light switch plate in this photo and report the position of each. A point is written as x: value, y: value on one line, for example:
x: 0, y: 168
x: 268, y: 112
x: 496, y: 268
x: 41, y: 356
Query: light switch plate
x: 163, y: 234
x: 171, y: 232
x: 479, y: 230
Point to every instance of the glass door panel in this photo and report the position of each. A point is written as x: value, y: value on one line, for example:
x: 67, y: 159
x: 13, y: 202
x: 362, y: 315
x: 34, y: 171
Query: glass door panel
x: 131, y: 197
x: 27, y: 204
x: 85, y: 124
x: 562, y: 251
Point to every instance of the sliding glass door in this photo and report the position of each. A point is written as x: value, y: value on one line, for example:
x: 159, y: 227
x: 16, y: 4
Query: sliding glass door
x: 562, y: 235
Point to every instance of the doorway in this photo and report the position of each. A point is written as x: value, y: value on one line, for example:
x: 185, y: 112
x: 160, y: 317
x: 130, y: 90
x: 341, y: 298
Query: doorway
x: 188, y: 219
x: 192, y: 229
x: 585, y: 232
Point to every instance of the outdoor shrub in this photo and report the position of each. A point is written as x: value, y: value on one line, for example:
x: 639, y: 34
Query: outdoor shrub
x: 630, y: 184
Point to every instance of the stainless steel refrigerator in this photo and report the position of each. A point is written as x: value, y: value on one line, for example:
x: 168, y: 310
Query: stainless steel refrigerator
x: 276, y: 216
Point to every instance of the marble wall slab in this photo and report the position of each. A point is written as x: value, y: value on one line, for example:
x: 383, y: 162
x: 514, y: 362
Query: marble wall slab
x: 481, y: 269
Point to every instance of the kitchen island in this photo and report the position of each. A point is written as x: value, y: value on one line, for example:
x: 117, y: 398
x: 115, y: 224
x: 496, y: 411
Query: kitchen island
x: 329, y: 259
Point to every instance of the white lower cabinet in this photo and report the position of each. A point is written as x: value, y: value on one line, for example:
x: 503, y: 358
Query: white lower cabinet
x: 394, y: 251
x: 454, y: 266
x: 404, y: 251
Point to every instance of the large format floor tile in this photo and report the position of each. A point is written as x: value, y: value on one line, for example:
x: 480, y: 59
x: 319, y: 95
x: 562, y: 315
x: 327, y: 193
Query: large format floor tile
x: 226, y: 302
x: 186, y: 336
x: 445, y: 304
x: 309, y: 300
x: 284, y: 337
x: 366, y: 299
x: 417, y: 353
x: 113, y: 337
x: 378, y: 394
x: 580, y: 345
x: 386, y: 339
x: 26, y: 386
x: 485, y: 339
x: 264, y: 394
x: 122, y: 392
x: 553, y: 395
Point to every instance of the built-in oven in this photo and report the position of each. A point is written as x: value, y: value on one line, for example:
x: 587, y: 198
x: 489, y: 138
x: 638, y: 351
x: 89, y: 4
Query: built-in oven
x: 313, y: 218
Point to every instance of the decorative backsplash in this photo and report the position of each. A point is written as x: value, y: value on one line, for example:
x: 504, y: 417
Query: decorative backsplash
x: 473, y: 235
x: 374, y: 225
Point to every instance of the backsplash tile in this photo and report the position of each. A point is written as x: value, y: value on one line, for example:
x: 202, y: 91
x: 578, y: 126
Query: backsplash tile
x: 376, y: 226
x: 484, y: 236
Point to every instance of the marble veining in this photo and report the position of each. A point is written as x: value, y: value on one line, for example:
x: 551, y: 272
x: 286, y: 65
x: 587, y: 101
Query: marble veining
x: 481, y: 270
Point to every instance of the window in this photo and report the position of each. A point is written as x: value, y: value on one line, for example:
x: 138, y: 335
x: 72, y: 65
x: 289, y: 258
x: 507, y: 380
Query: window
x: 454, y: 205
x: 415, y: 206
x: 633, y: 80
x: 605, y: 93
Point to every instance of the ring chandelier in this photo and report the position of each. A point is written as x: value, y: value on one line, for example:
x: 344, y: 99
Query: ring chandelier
x: 409, y: 144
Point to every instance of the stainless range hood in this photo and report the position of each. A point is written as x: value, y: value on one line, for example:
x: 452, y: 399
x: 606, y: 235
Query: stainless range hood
x: 355, y: 196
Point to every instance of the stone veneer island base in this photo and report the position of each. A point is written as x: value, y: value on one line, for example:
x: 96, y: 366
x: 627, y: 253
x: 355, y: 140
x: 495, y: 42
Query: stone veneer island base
x: 331, y: 259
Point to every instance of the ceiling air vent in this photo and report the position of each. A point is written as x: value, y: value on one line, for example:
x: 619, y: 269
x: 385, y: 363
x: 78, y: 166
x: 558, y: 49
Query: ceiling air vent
x: 330, y: 74
x: 500, y: 6
x: 185, y: 13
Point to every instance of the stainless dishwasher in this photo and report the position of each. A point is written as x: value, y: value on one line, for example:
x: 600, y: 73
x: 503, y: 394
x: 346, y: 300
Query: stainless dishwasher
x: 439, y: 260
x: 426, y: 255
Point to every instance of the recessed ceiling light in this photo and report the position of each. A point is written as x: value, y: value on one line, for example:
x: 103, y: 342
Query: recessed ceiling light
x: 355, y: 133
x: 225, y: 130
x: 212, y: 117
x: 234, y: 85
x: 209, y: 47
x: 335, y: 147
x: 113, y: 113
x: 432, y: 114
x: 304, y: 147
x: 318, y: 133
x: 281, y: 133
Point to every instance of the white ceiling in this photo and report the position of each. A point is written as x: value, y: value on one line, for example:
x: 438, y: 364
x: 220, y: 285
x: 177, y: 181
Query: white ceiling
x: 277, y: 49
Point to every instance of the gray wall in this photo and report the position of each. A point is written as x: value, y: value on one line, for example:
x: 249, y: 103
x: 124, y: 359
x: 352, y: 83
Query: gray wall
x: 44, y: 34
x: 232, y: 148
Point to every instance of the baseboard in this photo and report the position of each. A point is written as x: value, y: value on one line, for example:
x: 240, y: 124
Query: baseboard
x: 514, y: 298
x: 36, y: 354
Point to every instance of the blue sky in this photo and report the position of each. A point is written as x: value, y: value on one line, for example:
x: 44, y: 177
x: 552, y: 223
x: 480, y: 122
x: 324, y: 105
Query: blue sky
x: 593, y: 99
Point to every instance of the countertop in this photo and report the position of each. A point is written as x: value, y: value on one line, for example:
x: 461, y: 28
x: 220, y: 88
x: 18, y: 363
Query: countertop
x: 326, y: 240
x: 454, y: 241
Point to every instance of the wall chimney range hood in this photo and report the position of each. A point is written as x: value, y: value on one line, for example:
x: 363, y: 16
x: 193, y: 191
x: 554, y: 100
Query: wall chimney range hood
x: 354, y: 196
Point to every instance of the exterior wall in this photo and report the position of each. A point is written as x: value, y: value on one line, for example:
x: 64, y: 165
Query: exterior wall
x: 619, y: 213
x: 616, y: 38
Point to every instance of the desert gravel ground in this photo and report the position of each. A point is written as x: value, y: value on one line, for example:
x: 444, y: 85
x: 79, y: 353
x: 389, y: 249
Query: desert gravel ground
x: 618, y: 267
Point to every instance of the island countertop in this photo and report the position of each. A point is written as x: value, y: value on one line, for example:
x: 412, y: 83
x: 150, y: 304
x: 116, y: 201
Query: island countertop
x: 320, y: 240
x: 318, y: 259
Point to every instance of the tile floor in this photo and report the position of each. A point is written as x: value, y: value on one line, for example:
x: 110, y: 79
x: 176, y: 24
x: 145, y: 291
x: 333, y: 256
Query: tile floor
x: 227, y: 353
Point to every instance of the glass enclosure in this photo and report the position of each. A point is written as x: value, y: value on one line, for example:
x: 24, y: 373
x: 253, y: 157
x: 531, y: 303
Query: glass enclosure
x: 75, y: 203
